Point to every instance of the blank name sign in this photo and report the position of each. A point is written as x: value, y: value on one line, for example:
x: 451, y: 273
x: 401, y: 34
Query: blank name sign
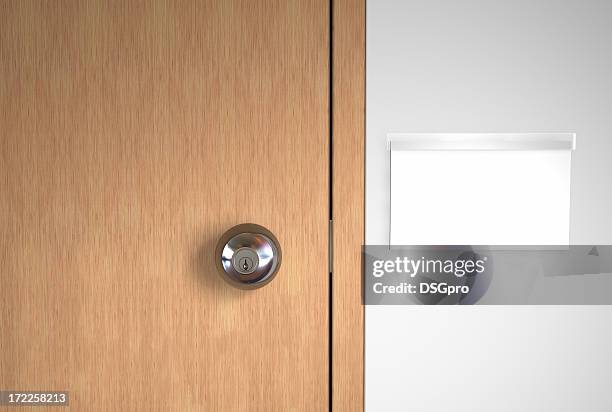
x: 474, y: 194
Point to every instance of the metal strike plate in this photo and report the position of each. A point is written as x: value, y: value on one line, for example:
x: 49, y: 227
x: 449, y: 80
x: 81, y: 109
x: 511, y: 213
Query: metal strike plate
x: 248, y: 256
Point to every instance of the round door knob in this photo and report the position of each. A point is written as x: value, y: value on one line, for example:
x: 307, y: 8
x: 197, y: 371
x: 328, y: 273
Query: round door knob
x: 248, y: 256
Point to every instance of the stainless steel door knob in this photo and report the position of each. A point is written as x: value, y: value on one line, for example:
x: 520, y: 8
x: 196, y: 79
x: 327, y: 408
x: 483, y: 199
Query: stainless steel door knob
x: 248, y: 256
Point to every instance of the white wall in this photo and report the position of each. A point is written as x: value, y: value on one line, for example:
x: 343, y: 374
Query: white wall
x: 491, y: 66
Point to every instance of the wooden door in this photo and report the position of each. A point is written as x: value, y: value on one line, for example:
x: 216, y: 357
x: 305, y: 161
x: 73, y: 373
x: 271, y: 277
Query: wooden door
x: 132, y: 135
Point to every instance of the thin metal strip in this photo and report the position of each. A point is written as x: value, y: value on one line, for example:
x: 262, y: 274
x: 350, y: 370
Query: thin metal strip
x: 481, y: 141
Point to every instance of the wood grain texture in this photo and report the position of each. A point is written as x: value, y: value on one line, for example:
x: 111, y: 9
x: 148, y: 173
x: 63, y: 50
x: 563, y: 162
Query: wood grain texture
x: 132, y: 135
x: 348, y: 197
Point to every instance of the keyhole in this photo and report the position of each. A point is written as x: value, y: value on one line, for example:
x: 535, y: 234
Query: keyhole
x: 245, y: 261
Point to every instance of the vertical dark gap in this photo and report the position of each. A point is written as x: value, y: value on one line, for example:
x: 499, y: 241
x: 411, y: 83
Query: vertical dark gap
x: 331, y: 108
x: 331, y: 195
x: 365, y: 153
x: 331, y: 382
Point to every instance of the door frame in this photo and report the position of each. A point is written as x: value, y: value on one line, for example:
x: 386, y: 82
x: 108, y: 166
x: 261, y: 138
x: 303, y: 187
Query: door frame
x: 347, y: 121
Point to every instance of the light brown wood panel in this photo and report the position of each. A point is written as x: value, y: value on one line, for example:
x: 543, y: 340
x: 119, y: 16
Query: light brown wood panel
x: 348, y: 197
x: 132, y: 135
